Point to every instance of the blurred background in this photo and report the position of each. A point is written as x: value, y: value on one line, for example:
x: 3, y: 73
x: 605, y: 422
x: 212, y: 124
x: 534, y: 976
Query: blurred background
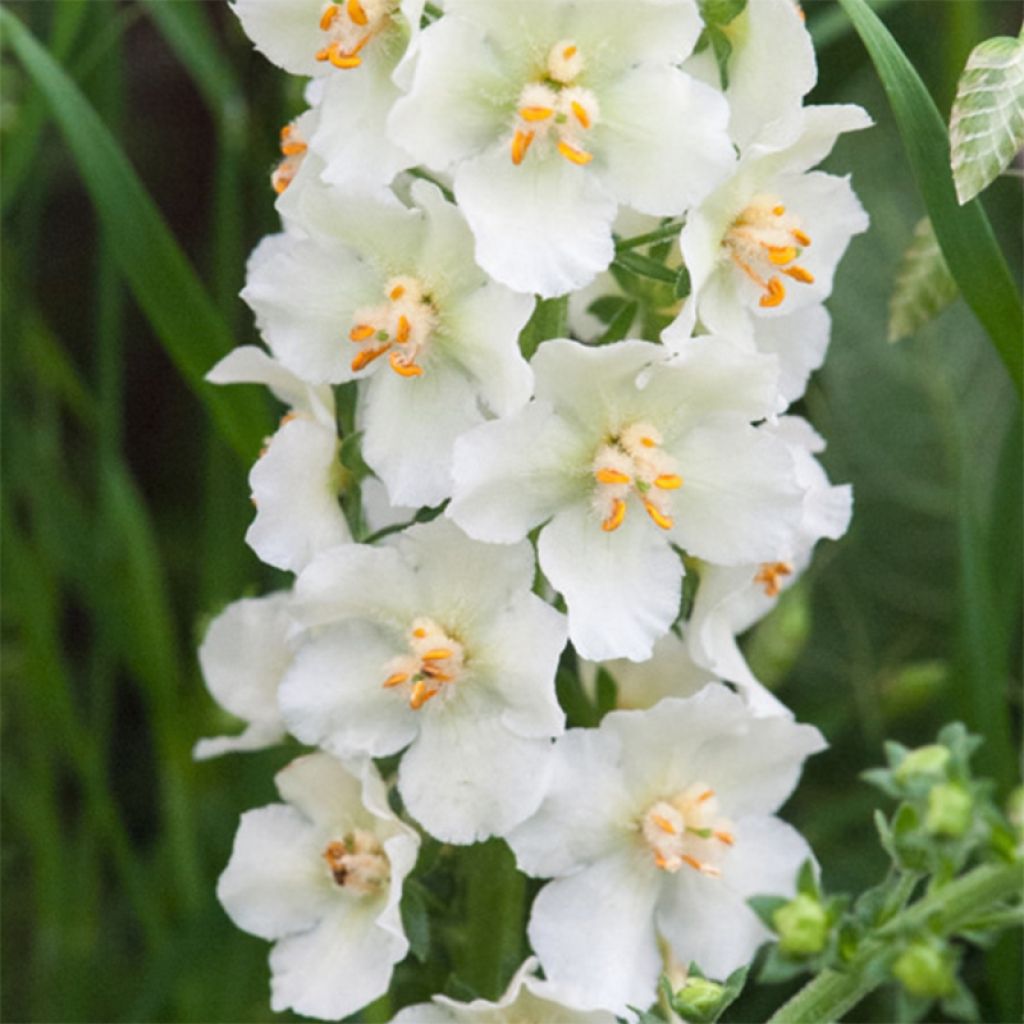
x: 124, y: 506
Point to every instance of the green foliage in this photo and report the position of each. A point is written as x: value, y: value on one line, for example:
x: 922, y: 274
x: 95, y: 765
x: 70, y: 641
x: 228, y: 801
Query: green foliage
x: 719, y: 16
x: 924, y: 287
x: 986, y: 126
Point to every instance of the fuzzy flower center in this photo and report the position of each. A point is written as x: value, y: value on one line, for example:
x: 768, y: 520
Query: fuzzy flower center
x: 633, y: 462
x: 401, y: 325
x: 358, y: 862
x: 556, y: 107
x: 435, y: 661
x: 686, y: 830
x: 765, y: 241
x: 347, y: 27
x: 293, y: 152
x: 770, y: 574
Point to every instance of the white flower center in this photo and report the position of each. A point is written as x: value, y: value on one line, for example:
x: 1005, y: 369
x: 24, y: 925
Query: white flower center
x: 348, y: 27
x: 435, y: 661
x: 358, y: 863
x: 769, y: 575
x: 402, y: 325
x: 293, y: 152
x: 557, y: 107
x: 687, y: 830
x: 633, y: 462
x: 763, y: 240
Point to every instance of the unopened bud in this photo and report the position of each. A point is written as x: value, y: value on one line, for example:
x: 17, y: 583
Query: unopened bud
x: 925, y: 970
x: 929, y: 760
x: 699, y: 999
x: 802, y: 925
x: 950, y: 810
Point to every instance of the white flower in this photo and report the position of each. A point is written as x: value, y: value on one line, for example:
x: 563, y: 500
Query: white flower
x: 623, y: 472
x: 243, y: 656
x: 322, y: 875
x: 658, y: 826
x: 771, y: 67
x: 433, y: 642
x: 551, y: 113
x: 296, y: 480
x: 392, y: 295
x: 527, y: 1000
x: 767, y: 242
x: 731, y: 599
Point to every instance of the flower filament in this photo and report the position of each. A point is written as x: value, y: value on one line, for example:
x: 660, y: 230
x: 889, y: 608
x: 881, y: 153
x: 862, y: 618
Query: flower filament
x: 349, y: 26
x: 764, y: 241
x: 401, y: 325
x: 769, y: 576
x: 634, y: 462
x: 358, y: 862
x: 293, y: 152
x: 556, y: 106
x: 435, y: 661
x: 687, y: 831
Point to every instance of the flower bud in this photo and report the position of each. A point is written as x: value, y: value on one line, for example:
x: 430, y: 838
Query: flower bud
x: 699, y: 999
x: 949, y: 810
x: 925, y: 970
x: 929, y: 760
x: 803, y: 926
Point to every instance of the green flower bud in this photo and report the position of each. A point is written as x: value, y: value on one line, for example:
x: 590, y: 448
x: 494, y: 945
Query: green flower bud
x: 950, y: 810
x: 925, y: 970
x: 699, y: 999
x: 803, y: 926
x: 929, y: 760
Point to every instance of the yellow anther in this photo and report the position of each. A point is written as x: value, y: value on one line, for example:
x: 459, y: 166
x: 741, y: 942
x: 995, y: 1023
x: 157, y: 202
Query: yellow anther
x: 664, y: 824
x: 799, y: 274
x: 293, y: 148
x: 402, y: 368
x: 366, y: 357
x: 288, y: 417
x: 437, y: 654
x: 520, y: 144
x: 533, y: 114
x: 404, y: 327
x: 421, y: 693
x: 668, y: 482
x: 395, y: 680
x: 802, y: 237
x: 419, y: 632
x: 433, y: 672
x: 706, y: 795
x: 611, y: 476
x: 361, y: 332
x: 664, y: 521
x: 327, y: 18
x: 692, y: 861
x: 725, y: 837
x: 660, y: 860
x: 356, y: 12
x: 581, y: 113
x: 345, y: 61
x: 780, y: 255
x: 778, y: 210
x: 569, y: 52
x: 769, y: 574
x: 580, y: 157
x: 397, y: 292
x: 279, y: 182
x: 776, y: 292
x: 648, y: 442
x: 614, y: 521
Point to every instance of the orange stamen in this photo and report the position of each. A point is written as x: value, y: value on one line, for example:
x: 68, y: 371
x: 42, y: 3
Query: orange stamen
x: 395, y: 680
x: 366, y: 357
x: 433, y: 672
x: 780, y: 255
x: 778, y: 210
x: 421, y: 693
x: 581, y: 113
x: 692, y: 861
x: 404, y: 327
x: 706, y: 795
x: 664, y: 521
x: 345, y: 61
x: 774, y: 295
x: 397, y: 292
x: 660, y: 860
x: 356, y: 12
x: 327, y: 18
x: 648, y: 442
x: 801, y: 237
x: 419, y: 632
x: 404, y: 369
x: 725, y: 837
x: 569, y: 52
x: 669, y: 482
x: 520, y: 144
x: 799, y: 274
x: 533, y: 114
x: 361, y: 332
x: 664, y: 824
x: 437, y: 654
x: 576, y: 156
x: 614, y: 521
x: 611, y: 476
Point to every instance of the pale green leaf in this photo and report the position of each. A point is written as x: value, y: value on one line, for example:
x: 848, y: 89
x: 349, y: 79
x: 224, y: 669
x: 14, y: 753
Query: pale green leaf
x: 986, y: 127
x: 924, y: 286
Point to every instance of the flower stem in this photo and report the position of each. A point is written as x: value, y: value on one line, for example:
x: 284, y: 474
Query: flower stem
x: 669, y: 230
x: 832, y: 993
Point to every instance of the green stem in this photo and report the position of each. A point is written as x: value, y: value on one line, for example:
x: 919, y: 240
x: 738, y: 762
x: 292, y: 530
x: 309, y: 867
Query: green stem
x: 658, y: 235
x: 832, y: 993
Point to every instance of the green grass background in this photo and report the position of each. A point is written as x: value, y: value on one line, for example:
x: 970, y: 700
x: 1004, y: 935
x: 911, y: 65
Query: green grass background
x: 124, y: 505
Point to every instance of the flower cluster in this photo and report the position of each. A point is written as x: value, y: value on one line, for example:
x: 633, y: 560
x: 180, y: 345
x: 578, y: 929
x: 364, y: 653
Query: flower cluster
x: 462, y: 168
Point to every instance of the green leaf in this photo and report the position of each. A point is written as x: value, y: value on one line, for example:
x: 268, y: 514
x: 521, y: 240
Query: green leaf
x: 620, y: 324
x: 644, y: 266
x: 161, y: 279
x: 924, y: 286
x: 416, y: 922
x: 986, y: 126
x: 963, y: 232
x: 550, y: 319
x: 607, y: 307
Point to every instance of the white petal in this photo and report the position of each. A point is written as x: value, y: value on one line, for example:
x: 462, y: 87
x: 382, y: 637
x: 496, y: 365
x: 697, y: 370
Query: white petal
x: 662, y: 136
x: 797, y: 142
x: 799, y: 340
x: 594, y: 933
x: 275, y: 882
x: 513, y: 474
x: 467, y: 777
x: 622, y: 589
x: 327, y: 792
x: 333, y: 695
x: 378, y: 512
x: 286, y: 32
x: 543, y: 227
x: 295, y: 488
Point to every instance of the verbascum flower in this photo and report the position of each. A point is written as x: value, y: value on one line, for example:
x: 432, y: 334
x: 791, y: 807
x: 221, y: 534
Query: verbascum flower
x: 527, y: 1000
x: 391, y: 296
x: 656, y: 829
x: 295, y: 482
x: 434, y: 643
x: 649, y: 454
x: 552, y: 113
x: 321, y: 875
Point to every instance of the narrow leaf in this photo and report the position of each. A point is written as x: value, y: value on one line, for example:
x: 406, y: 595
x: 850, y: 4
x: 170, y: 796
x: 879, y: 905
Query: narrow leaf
x: 986, y: 127
x: 924, y: 286
x: 963, y: 232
